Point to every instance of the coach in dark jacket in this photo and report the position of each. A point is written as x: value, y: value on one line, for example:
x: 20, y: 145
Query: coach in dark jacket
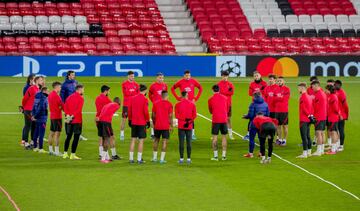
x: 68, y: 87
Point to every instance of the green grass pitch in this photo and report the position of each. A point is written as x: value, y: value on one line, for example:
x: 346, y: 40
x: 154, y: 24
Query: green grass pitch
x: 41, y: 182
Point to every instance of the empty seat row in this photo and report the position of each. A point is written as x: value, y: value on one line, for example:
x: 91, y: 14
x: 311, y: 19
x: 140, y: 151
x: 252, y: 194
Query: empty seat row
x: 44, y: 26
x: 43, y: 19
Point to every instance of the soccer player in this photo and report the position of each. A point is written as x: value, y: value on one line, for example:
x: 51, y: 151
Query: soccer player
x: 140, y: 121
x: 333, y: 117
x: 219, y: 107
x: 227, y: 89
x: 306, y: 117
x: 320, y: 113
x: 258, y: 105
x: 344, y: 110
x: 162, y: 114
x: 107, y: 134
x: 29, y: 83
x: 39, y: 115
x: 282, y: 97
x: 330, y: 82
x: 266, y: 127
x: 258, y: 85
x: 155, y: 92
x: 101, y: 100
x: 269, y: 94
x: 185, y: 113
x: 188, y: 84
x: 73, y: 111
x: 27, y: 106
x: 311, y: 93
x: 56, y: 106
x: 129, y: 89
x: 68, y: 86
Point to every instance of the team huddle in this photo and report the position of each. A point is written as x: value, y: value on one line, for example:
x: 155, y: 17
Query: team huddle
x: 268, y: 116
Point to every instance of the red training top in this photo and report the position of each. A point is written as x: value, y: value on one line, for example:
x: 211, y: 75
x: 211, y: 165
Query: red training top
x: 333, y: 114
x: 320, y: 105
x: 269, y: 96
x: 129, y: 90
x: 305, y: 107
x: 155, y: 91
x: 139, y: 110
x: 56, y: 105
x: 73, y: 106
x: 185, y: 109
x: 219, y: 108
x: 343, y: 105
x: 162, y: 113
x: 29, y: 97
x: 100, y: 102
x: 257, y: 87
x: 189, y: 87
x: 108, y: 111
x: 260, y: 120
x: 282, y: 99
x: 227, y: 89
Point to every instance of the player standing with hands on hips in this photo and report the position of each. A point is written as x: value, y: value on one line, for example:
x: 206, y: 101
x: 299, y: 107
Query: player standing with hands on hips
x: 187, y: 84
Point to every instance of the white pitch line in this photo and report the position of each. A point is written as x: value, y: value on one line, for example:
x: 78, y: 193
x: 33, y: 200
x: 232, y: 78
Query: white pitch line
x: 297, y: 166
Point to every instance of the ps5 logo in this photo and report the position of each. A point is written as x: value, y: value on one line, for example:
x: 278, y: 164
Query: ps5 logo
x: 118, y: 67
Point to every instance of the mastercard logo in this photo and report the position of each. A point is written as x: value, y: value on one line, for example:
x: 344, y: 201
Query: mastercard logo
x: 284, y: 66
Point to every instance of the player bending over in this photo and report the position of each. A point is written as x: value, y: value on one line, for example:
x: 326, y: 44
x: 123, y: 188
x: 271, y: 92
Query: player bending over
x: 266, y: 127
x: 73, y: 112
x: 139, y: 121
x: 39, y: 115
x: 56, y: 106
x: 185, y: 113
x: 219, y: 107
x: 107, y: 134
x: 162, y: 114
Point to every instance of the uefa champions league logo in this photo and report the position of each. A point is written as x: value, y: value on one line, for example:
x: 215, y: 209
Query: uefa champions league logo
x: 232, y: 67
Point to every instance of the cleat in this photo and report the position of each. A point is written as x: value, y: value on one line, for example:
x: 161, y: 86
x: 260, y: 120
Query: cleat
x: 74, y: 157
x: 341, y: 148
x: 131, y: 161
x: 154, y: 160
x: 231, y: 137
x: 314, y: 143
x: 223, y: 158
x: 214, y: 159
x: 82, y: 138
x: 162, y: 161
x: 188, y: 161
x: 22, y: 143
x: 152, y: 137
x: 99, y: 157
x: 181, y: 161
x: 248, y: 155
x: 283, y: 143
x: 36, y: 150
x: 316, y: 153
x: 42, y: 151
x: 115, y: 157
x: 104, y: 161
x: 278, y: 142
x: 302, y: 156
x: 65, y: 155
x: 263, y: 161
x: 268, y: 160
x: 330, y: 153
x: 122, y: 138
x: 141, y: 161
x: 246, y: 138
x: 59, y: 154
x: 193, y: 138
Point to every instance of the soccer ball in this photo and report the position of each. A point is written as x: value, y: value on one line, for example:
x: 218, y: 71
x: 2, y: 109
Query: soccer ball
x: 232, y: 67
x: 175, y: 123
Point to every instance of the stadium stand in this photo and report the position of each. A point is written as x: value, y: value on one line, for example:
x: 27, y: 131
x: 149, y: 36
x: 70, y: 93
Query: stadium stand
x: 95, y: 27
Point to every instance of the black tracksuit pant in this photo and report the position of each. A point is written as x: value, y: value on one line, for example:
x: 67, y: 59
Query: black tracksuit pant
x: 184, y: 134
x: 267, y: 131
x: 305, y: 135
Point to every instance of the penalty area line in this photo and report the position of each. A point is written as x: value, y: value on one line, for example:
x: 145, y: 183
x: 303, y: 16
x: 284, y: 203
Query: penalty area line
x: 9, y: 198
x: 297, y: 166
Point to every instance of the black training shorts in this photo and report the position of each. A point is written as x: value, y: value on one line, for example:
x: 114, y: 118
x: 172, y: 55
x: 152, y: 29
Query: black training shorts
x: 219, y: 127
x: 165, y: 134
x: 56, y: 125
x: 138, y: 131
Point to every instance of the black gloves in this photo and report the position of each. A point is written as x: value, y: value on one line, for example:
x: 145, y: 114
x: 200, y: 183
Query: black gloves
x: 312, y: 119
x: 129, y: 123
x: 147, y: 125
x: 187, y: 123
x: 230, y: 89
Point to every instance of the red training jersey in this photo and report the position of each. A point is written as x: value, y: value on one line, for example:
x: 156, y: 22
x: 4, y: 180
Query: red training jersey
x: 100, y: 102
x: 189, y: 87
x: 320, y: 105
x: 155, y: 91
x: 333, y: 114
x: 343, y: 105
x: 56, y: 105
x: 73, y: 106
x: 282, y: 97
x: 139, y: 110
x: 227, y: 89
x: 260, y: 120
x: 311, y: 92
x: 108, y: 111
x: 129, y: 90
x: 29, y: 97
x: 305, y: 107
x: 162, y: 115
x: 257, y: 87
x: 269, y: 96
x: 219, y: 108
x: 185, y: 109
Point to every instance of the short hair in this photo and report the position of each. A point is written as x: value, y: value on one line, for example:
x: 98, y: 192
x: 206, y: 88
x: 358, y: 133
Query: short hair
x: 55, y: 84
x: 216, y: 88
x: 130, y: 73
x: 330, y: 81
x: 186, y: 72
x: 338, y: 82
x: 38, y: 77
x: 117, y: 100
x: 79, y: 86
x: 69, y: 73
x: 256, y: 94
x: 315, y: 83
x: 260, y: 113
x: 272, y: 76
x: 164, y: 94
x: 256, y: 72
x: 331, y: 88
x: 43, y: 89
x: 302, y: 84
x: 224, y: 73
x: 104, y: 88
x: 143, y: 87
x: 159, y: 74
x: 281, y: 77
x: 313, y: 78
x: 184, y: 93
x: 29, y: 78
